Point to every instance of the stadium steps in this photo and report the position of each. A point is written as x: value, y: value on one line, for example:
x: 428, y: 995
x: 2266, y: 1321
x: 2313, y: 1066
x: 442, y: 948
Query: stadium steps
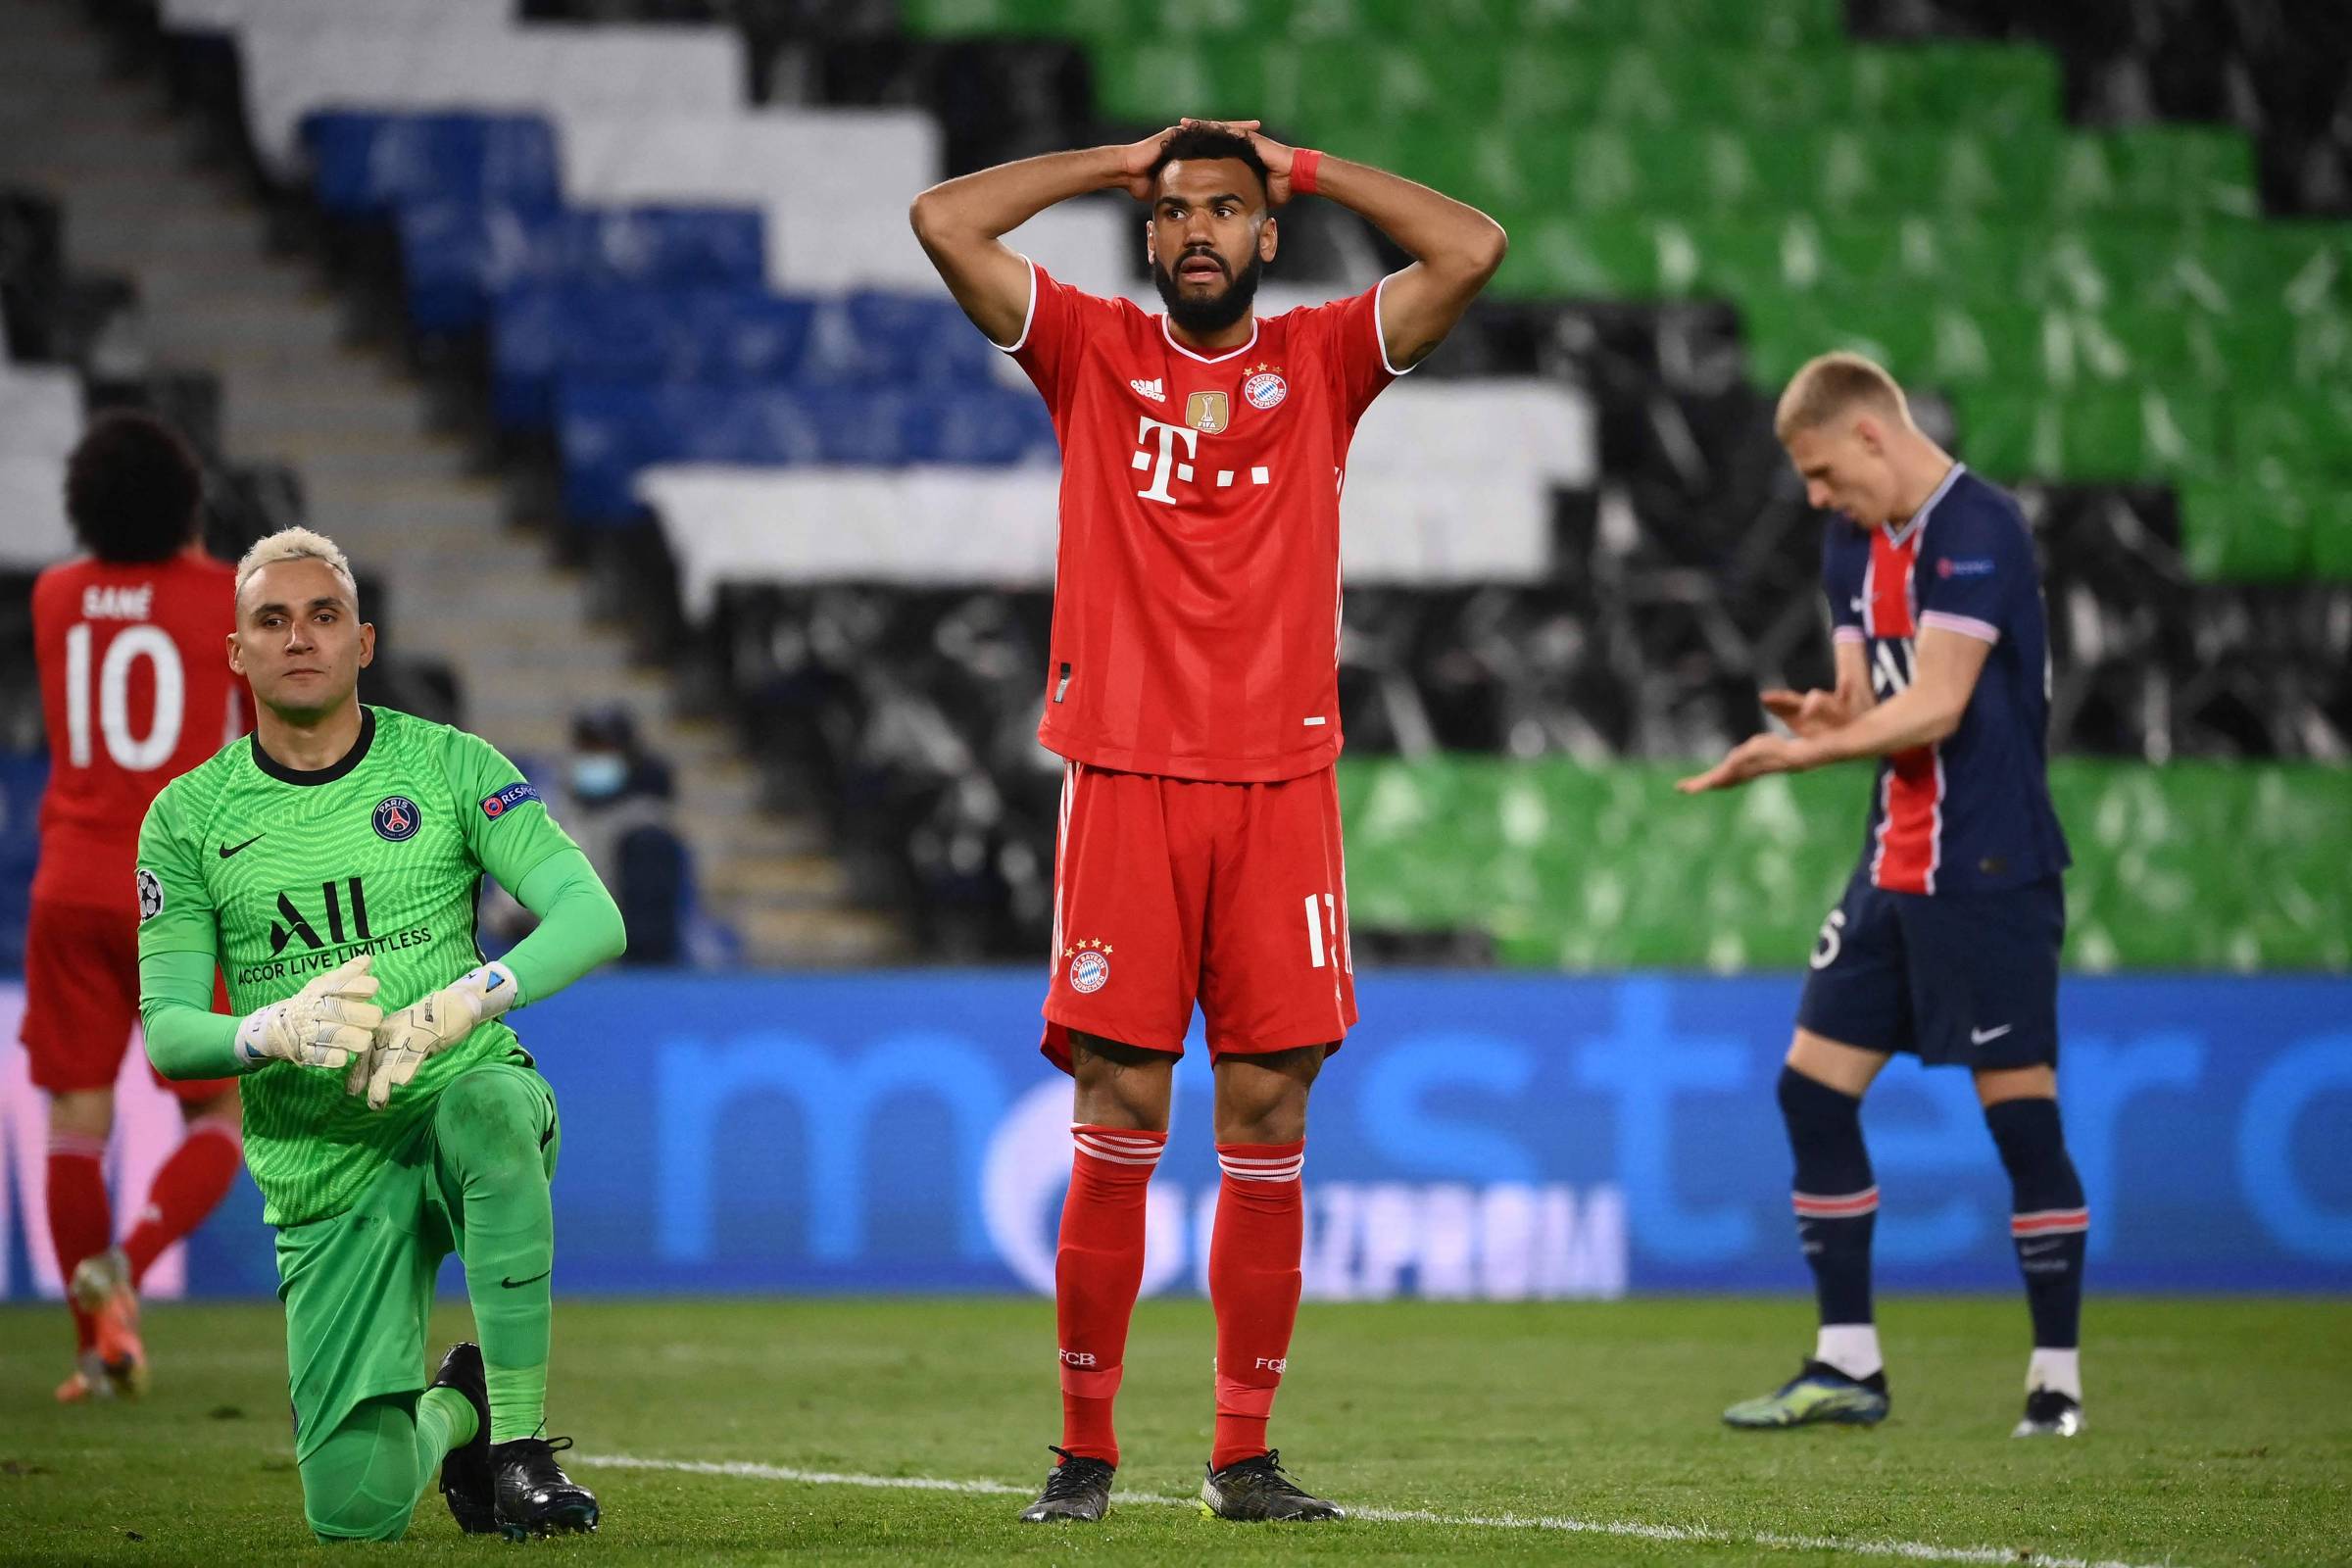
x: 398, y: 497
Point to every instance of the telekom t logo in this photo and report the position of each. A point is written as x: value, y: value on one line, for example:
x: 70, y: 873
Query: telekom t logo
x: 1169, y: 435
x: 1165, y: 464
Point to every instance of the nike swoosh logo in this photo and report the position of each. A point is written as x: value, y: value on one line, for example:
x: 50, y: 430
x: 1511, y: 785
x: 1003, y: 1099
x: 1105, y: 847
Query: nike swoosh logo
x: 2029, y: 1248
x: 517, y: 1285
x: 1977, y: 1037
x: 227, y: 850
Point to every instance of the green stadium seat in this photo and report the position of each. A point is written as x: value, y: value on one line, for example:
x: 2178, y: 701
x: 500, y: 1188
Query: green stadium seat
x: 2116, y: 434
x: 2180, y: 167
x: 2332, y: 535
x: 1602, y: 257
x: 2279, y: 438
x: 2232, y: 531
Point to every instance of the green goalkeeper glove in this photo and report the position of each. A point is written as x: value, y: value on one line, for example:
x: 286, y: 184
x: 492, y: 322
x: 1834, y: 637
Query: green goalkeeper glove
x: 325, y: 1024
x: 428, y: 1025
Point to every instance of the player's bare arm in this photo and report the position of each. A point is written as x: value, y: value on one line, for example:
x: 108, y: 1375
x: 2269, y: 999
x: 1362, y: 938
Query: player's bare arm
x: 1928, y: 711
x: 1455, y: 246
x: 962, y: 221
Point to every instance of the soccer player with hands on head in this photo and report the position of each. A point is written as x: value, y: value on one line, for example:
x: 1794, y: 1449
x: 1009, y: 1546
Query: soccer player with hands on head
x: 330, y: 865
x: 1946, y: 942
x: 1193, y: 693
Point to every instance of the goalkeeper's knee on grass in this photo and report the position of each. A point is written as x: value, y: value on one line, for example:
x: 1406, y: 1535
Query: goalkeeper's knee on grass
x: 363, y: 1482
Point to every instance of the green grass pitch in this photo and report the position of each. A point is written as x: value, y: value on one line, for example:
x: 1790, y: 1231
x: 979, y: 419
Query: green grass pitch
x: 2221, y: 1432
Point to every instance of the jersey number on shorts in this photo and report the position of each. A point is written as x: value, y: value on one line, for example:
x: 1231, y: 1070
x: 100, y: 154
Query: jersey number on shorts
x: 133, y: 753
x: 1833, y: 938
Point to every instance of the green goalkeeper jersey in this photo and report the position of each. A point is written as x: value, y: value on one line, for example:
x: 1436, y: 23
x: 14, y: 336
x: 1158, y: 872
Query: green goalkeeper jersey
x: 282, y: 876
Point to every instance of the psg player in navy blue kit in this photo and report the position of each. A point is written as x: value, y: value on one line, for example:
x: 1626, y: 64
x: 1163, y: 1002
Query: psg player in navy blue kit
x: 1945, y: 943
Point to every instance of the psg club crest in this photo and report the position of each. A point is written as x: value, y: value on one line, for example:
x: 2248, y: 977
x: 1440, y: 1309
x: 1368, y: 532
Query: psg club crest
x: 1208, y: 413
x: 1264, y: 388
x: 397, y: 818
x: 1090, y: 966
x: 151, y: 895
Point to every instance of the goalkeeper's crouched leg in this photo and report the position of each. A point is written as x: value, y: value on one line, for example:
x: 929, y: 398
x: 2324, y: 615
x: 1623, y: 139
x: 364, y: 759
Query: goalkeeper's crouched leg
x: 363, y: 1482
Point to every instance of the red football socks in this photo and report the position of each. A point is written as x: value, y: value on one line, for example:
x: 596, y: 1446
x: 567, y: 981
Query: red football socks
x: 1098, y: 1270
x: 189, y: 1185
x: 1253, y: 1287
x: 81, y: 1224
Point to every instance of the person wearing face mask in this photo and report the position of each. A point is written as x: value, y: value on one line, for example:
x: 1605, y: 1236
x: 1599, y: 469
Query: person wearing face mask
x: 618, y: 807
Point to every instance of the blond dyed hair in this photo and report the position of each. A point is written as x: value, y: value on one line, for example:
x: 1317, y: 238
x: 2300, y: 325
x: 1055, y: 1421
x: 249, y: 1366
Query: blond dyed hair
x: 1829, y: 386
x: 297, y: 544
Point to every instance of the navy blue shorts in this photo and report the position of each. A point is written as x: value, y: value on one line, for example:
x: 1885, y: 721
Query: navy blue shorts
x: 1957, y: 979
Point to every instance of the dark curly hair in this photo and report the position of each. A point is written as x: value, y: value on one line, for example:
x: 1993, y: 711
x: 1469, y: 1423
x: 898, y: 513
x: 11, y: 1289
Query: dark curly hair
x: 133, y: 489
x: 1199, y: 142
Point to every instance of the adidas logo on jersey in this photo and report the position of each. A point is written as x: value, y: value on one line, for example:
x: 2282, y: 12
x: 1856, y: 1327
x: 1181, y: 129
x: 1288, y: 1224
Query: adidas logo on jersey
x: 1150, y: 389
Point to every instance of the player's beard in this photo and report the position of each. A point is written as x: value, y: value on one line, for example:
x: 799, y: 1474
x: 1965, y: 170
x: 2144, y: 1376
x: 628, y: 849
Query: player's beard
x: 1203, y: 316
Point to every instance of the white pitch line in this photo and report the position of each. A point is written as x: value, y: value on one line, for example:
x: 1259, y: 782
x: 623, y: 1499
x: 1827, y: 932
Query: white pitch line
x: 1699, y: 1535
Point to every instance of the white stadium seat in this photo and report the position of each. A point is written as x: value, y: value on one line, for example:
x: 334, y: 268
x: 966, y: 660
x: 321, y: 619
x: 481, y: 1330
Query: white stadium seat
x: 833, y: 182
x: 562, y: 71
x: 40, y: 411
x: 1436, y: 493
x: 32, y: 510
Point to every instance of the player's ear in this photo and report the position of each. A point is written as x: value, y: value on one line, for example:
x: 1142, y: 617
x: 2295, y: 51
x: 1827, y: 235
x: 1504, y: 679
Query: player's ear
x: 366, y: 643
x: 1871, y: 433
x: 236, y: 655
x: 1268, y: 240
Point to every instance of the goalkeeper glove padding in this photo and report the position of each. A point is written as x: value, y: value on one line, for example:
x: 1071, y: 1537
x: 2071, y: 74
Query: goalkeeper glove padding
x: 428, y: 1025
x: 327, y: 1023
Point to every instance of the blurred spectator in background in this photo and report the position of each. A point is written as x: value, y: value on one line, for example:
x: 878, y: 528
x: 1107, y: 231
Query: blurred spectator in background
x: 618, y: 805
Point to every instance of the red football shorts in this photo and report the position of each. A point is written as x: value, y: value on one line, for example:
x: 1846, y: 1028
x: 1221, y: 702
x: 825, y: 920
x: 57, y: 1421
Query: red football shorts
x: 82, y: 998
x: 1168, y: 891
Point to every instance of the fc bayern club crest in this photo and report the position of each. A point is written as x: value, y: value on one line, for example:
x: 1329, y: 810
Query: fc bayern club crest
x: 1263, y: 388
x: 1090, y: 966
x: 397, y: 818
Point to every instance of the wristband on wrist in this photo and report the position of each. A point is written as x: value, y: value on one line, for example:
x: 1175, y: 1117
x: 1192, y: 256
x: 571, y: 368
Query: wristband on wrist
x: 1303, y: 163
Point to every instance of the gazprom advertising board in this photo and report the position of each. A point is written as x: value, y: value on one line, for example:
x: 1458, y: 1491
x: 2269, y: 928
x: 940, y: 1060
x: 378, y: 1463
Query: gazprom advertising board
x: 1479, y: 1136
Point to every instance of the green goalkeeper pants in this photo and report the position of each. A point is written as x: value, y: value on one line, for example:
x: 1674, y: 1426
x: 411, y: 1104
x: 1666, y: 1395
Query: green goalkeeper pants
x: 359, y: 1290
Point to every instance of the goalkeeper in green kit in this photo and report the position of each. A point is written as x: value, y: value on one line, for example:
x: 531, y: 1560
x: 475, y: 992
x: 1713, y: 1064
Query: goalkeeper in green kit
x: 328, y: 866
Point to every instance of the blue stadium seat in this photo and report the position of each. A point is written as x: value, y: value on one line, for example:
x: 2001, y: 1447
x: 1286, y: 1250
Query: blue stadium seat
x: 541, y: 332
x: 608, y: 430
x: 365, y: 164
x: 905, y: 340
x: 459, y: 255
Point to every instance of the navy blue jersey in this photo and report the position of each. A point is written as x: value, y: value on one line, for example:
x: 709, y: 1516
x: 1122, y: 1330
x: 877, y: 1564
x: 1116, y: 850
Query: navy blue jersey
x: 1970, y: 813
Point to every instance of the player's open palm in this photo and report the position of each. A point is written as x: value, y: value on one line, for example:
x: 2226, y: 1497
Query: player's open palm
x: 1273, y: 154
x: 1806, y: 712
x: 427, y: 1026
x: 327, y: 1023
x: 1136, y: 159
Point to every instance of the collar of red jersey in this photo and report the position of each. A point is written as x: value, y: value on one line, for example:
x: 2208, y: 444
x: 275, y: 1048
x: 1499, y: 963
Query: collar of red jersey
x: 1207, y: 359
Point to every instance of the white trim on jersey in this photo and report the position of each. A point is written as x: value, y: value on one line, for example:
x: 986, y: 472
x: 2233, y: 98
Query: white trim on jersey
x: 1169, y: 334
x: 1912, y: 524
x: 1982, y: 631
x: 1028, y: 317
x: 1847, y: 634
x: 1380, y: 335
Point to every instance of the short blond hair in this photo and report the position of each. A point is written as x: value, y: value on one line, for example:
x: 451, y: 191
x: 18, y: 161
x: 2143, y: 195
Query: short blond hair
x: 297, y: 544
x: 1828, y: 386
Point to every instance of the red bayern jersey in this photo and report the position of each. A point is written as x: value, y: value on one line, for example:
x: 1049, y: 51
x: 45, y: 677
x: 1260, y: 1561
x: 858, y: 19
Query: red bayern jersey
x: 135, y: 690
x: 1196, y: 589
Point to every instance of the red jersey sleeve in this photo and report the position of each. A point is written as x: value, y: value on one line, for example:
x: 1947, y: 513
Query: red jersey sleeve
x: 1355, y: 352
x: 1053, y: 335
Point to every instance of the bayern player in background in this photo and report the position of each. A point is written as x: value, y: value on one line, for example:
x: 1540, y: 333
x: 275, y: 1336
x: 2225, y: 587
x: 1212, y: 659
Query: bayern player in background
x: 134, y: 692
x: 1193, y: 690
x: 1946, y: 942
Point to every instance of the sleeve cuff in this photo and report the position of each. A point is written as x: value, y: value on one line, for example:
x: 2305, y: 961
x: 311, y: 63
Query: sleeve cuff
x: 1380, y: 334
x: 1982, y: 631
x: 1847, y: 634
x: 1028, y: 317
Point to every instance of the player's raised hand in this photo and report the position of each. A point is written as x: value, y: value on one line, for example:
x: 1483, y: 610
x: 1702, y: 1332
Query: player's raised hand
x: 1753, y: 758
x: 327, y: 1023
x: 1273, y: 154
x: 1806, y: 712
x: 1136, y: 159
x: 427, y: 1026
